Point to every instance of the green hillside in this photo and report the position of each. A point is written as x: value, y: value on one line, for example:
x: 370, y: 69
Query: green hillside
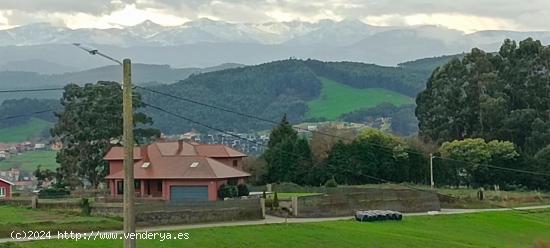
x: 30, y: 129
x: 337, y: 99
x: 28, y: 161
x: 292, y: 87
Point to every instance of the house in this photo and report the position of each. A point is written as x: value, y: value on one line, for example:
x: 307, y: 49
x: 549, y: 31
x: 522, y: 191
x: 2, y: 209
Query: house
x: 12, y: 174
x: 177, y: 171
x: 5, y: 189
x: 39, y: 146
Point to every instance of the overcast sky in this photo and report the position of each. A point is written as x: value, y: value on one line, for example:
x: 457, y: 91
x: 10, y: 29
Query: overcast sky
x: 465, y: 15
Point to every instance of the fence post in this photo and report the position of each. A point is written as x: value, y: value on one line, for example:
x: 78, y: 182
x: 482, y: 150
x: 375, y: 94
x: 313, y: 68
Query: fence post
x: 34, y: 202
x: 262, y: 206
x: 295, y: 206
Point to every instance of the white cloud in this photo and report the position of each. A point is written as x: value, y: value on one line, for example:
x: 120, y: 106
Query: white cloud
x: 466, y: 23
x: 465, y: 15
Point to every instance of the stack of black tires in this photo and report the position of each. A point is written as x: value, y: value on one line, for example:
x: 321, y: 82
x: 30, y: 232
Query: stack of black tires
x: 377, y: 215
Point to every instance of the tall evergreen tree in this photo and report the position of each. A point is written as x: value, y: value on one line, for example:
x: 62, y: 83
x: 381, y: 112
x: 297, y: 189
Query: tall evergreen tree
x: 91, y: 119
x: 288, y: 156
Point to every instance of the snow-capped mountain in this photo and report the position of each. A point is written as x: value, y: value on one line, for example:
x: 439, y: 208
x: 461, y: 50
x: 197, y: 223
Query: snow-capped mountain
x: 206, y: 42
x: 198, y: 31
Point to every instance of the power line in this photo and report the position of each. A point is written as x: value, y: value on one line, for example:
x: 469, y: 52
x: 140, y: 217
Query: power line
x: 31, y: 90
x: 300, y: 155
x: 270, y: 121
x: 328, y: 134
x: 495, y: 167
x: 259, y: 118
x: 27, y: 114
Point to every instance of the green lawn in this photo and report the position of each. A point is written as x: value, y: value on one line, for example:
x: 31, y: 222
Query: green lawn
x: 337, y: 99
x: 15, y: 218
x: 28, y: 161
x: 496, y: 229
x: 29, y: 130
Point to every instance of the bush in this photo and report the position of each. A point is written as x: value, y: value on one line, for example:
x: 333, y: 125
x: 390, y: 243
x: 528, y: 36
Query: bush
x: 227, y: 191
x: 269, y: 203
x: 85, y: 206
x: 331, y: 183
x: 275, y: 201
x: 242, y: 190
x: 53, y: 193
x: 16, y: 194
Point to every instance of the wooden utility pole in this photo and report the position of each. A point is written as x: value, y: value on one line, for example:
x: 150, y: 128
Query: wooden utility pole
x: 431, y: 170
x: 128, y: 133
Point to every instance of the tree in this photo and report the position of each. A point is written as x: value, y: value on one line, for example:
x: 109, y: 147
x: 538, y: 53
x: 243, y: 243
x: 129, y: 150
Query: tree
x: 372, y: 155
x: 327, y: 136
x: 90, y: 122
x: 287, y: 156
x: 43, y: 175
x: 256, y: 166
x: 471, y: 157
x: 501, y: 96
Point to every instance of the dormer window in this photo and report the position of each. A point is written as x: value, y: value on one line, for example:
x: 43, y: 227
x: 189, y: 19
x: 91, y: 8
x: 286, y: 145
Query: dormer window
x: 194, y: 164
x: 145, y: 165
x: 235, y: 163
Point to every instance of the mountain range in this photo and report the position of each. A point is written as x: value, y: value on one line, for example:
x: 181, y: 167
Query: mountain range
x: 205, y: 42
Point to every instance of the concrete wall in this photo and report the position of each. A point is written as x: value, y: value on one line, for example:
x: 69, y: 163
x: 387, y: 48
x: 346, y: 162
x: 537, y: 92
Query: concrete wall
x: 18, y: 202
x: 188, y: 216
x: 342, y: 204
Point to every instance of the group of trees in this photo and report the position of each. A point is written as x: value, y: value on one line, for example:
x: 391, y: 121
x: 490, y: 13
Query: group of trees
x: 373, y: 156
x: 338, y: 155
x: 502, y: 96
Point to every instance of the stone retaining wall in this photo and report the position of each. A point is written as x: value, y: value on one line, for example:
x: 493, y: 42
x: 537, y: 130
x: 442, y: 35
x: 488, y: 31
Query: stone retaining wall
x: 342, y: 204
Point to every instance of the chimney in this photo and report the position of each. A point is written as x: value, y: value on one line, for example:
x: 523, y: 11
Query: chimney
x: 180, y: 147
x: 144, y: 153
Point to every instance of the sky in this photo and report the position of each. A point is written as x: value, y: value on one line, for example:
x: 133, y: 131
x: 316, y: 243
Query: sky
x: 465, y: 15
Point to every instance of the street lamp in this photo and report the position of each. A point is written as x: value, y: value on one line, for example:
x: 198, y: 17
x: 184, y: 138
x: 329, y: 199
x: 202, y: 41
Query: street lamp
x: 128, y: 136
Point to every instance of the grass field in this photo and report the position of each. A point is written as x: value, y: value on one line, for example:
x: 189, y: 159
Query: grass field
x: 288, y: 196
x: 337, y: 99
x: 29, y: 130
x: 14, y: 218
x: 29, y: 160
x: 494, y: 229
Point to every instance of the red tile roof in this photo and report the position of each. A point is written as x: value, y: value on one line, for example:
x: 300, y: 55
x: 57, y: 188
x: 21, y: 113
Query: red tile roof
x: 6, y: 181
x: 174, y: 160
x: 117, y: 153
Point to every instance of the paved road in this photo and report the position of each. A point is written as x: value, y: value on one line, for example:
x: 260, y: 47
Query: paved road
x: 279, y: 220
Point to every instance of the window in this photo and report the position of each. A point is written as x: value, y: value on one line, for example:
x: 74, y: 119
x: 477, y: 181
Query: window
x: 2, y: 191
x: 119, y: 187
x: 235, y: 163
x: 137, y: 184
x: 159, y: 186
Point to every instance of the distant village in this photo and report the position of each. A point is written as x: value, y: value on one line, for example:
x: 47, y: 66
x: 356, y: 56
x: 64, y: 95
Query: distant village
x: 23, y: 180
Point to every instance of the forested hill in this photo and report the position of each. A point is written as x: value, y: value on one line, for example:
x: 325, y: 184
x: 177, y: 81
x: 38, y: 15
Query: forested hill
x: 295, y: 87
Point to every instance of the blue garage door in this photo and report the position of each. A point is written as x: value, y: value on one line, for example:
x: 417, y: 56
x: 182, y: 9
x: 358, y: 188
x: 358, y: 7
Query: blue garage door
x: 188, y: 193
